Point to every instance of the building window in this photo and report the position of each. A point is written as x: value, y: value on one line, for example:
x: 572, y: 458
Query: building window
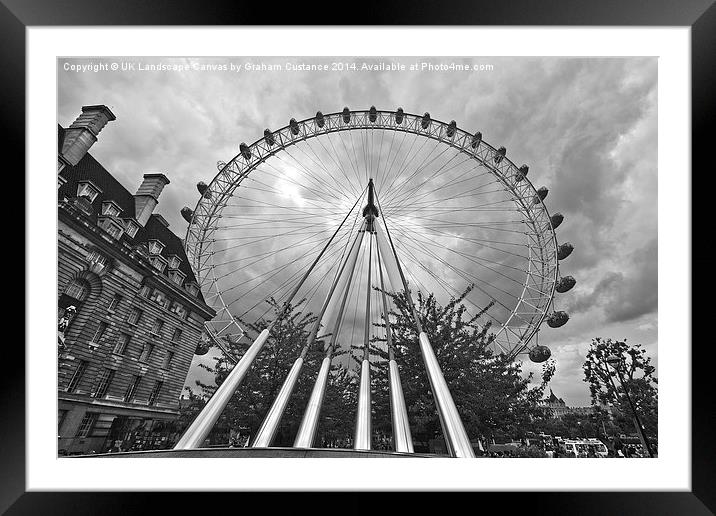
x: 177, y: 277
x: 103, y: 382
x: 77, y: 289
x: 114, y: 303
x: 131, y: 228
x: 87, y: 190
x: 146, y: 352
x: 111, y: 209
x: 176, y: 336
x: 192, y: 288
x: 86, y: 424
x: 121, y: 345
x: 98, y: 262
x: 132, y: 388
x: 158, y: 263
x: 134, y: 315
x: 155, y: 392
x: 178, y: 308
x: 155, y: 247
x: 157, y: 327
x: 168, y: 357
x: 174, y: 261
x: 146, y: 291
x: 160, y: 298
x: 101, y: 327
x: 114, y: 229
x: 74, y: 382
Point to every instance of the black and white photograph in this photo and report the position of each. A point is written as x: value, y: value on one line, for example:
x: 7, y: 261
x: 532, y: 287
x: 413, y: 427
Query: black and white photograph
x: 357, y: 257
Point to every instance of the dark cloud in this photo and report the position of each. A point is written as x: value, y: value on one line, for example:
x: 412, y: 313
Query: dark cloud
x: 586, y: 128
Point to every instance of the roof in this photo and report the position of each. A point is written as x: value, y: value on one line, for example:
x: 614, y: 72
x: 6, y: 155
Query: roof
x: 90, y: 169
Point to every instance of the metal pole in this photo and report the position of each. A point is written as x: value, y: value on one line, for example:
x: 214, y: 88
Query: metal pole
x: 271, y: 422
x: 456, y: 438
x: 402, y: 440
x: 309, y: 424
x: 362, y: 437
x: 197, y: 432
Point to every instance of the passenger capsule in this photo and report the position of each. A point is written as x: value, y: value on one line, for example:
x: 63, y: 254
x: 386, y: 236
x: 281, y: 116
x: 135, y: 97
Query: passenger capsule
x: 346, y: 115
x: 320, y: 119
x: 187, y: 213
x: 564, y: 250
x: 557, y: 319
x: 220, y: 165
x: 565, y: 284
x: 269, y: 137
x: 500, y: 154
x: 399, y: 116
x: 451, y: 129
x: 425, y: 122
x: 556, y: 220
x: 203, y: 189
x: 245, y: 151
x: 539, y: 354
x: 294, y: 127
x: 476, y: 139
x: 372, y: 114
x: 540, y: 195
x: 522, y: 173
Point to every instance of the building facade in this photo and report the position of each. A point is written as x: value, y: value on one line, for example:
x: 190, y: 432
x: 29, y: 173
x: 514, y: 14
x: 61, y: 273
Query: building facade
x: 130, y: 311
x: 558, y: 408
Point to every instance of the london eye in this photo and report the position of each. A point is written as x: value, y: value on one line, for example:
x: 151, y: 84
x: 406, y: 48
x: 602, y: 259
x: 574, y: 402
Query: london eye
x: 333, y: 209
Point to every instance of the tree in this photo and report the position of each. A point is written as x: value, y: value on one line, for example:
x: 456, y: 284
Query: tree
x: 490, y: 392
x: 637, y: 374
x: 250, y: 403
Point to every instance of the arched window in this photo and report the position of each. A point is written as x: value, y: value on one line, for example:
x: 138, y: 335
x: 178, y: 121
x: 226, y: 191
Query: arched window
x: 78, y: 289
x: 75, y: 293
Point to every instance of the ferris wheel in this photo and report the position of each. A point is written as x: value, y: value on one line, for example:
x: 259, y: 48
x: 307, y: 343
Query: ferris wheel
x: 459, y: 212
x: 333, y: 211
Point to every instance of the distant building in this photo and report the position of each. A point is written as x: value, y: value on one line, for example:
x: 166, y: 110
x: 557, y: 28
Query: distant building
x: 130, y: 309
x: 558, y: 408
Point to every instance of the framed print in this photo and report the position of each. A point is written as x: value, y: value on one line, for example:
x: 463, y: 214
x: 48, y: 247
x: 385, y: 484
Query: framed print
x: 377, y: 257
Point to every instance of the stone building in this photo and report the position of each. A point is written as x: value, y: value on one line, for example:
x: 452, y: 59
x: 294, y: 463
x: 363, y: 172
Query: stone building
x: 558, y: 408
x: 130, y: 310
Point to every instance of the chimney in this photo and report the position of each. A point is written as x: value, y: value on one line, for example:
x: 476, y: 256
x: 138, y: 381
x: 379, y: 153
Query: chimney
x: 82, y: 134
x: 147, y: 196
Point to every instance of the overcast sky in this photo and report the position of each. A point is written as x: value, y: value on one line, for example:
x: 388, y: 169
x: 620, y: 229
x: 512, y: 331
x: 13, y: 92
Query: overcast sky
x: 587, y: 128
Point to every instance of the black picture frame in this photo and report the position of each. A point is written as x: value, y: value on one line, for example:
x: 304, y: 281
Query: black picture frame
x: 700, y: 15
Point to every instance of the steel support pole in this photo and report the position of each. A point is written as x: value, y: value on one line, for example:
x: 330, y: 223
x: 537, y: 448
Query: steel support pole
x: 456, y: 438
x: 309, y: 424
x: 271, y: 422
x: 402, y: 439
x: 199, y: 429
x: 362, y: 436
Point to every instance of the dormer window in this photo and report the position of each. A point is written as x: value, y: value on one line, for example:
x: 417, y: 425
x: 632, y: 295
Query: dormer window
x: 87, y: 189
x: 111, y: 209
x: 115, y: 229
x: 155, y: 247
x: 177, y: 277
x: 159, y: 298
x: 158, y: 262
x: 178, y: 309
x: 174, y: 261
x: 131, y: 228
x: 192, y: 288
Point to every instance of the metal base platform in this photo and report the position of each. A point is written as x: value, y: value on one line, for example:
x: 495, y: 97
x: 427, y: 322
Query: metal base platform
x: 261, y: 453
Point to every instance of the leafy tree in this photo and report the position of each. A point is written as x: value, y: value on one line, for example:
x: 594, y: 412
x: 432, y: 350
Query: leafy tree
x: 250, y: 403
x: 490, y: 392
x: 637, y: 374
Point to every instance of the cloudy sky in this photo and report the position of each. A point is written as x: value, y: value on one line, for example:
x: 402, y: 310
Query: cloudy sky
x: 587, y: 128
